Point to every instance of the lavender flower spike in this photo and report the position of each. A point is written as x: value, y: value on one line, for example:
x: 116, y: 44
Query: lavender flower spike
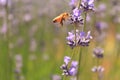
x: 87, y: 5
x: 76, y: 16
x: 71, y: 38
x: 98, y: 52
x: 76, y: 12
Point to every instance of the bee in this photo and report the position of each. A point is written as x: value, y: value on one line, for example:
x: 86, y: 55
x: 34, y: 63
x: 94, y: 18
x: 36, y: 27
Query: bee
x: 62, y: 17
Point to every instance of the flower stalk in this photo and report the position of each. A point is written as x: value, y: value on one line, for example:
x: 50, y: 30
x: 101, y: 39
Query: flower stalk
x: 85, y: 20
x: 9, y: 59
x: 79, y: 64
x: 79, y: 3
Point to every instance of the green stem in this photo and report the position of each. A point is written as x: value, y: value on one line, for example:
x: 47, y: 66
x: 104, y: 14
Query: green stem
x: 79, y: 63
x: 98, y: 76
x: 75, y: 33
x: 98, y: 62
x: 9, y: 61
x: 118, y: 54
x: 64, y: 77
x: 73, y: 51
x: 79, y: 3
x: 85, y: 19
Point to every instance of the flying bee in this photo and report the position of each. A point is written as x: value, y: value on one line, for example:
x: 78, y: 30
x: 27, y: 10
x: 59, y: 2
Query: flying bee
x: 62, y: 17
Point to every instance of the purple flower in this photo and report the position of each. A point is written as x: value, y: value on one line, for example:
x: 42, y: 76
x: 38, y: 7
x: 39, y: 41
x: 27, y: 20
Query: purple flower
x: 85, y: 38
x: 77, y: 12
x: 87, y: 5
x: 71, y: 38
x: 73, y: 3
x: 76, y: 16
x: 67, y: 60
x: 70, y: 70
x: 102, y: 7
x: 97, y: 69
x: 73, y: 69
x: 81, y: 39
x: 100, y: 26
x: 98, y: 52
x: 3, y: 2
x: 74, y: 63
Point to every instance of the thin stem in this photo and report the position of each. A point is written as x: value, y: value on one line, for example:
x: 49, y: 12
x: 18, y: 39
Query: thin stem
x: 73, y: 51
x: 117, y: 56
x: 79, y: 3
x: 9, y: 62
x: 85, y: 19
x: 98, y: 77
x: 79, y: 63
x: 64, y: 77
x: 75, y: 33
x: 98, y: 62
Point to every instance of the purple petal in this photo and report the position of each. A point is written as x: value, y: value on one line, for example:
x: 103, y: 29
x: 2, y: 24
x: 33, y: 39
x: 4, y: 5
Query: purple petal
x: 82, y: 34
x: 72, y: 71
x: 67, y: 60
x: 76, y: 12
x: 74, y: 63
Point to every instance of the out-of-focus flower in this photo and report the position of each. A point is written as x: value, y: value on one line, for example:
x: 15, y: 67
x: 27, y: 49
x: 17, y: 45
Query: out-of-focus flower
x: 3, y: 2
x: 100, y: 37
x: 27, y: 17
x: 101, y: 7
x: 20, y: 41
x: 87, y: 5
x: 98, y: 52
x: 18, y: 66
x: 100, y: 26
x: 73, y: 3
x: 115, y: 11
x: 118, y: 36
x: 98, y: 69
x: 3, y: 29
x: 116, y: 19
x: 6, y: 2
x: 69, y: 70
x: 56, y: 77
x: 33, y: 45
x: 18, y: 63
x: 76, y: 16
x: 101, y: 10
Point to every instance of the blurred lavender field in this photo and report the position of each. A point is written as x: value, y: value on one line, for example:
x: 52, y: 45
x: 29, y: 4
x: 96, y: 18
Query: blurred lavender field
x: 32, y: 47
